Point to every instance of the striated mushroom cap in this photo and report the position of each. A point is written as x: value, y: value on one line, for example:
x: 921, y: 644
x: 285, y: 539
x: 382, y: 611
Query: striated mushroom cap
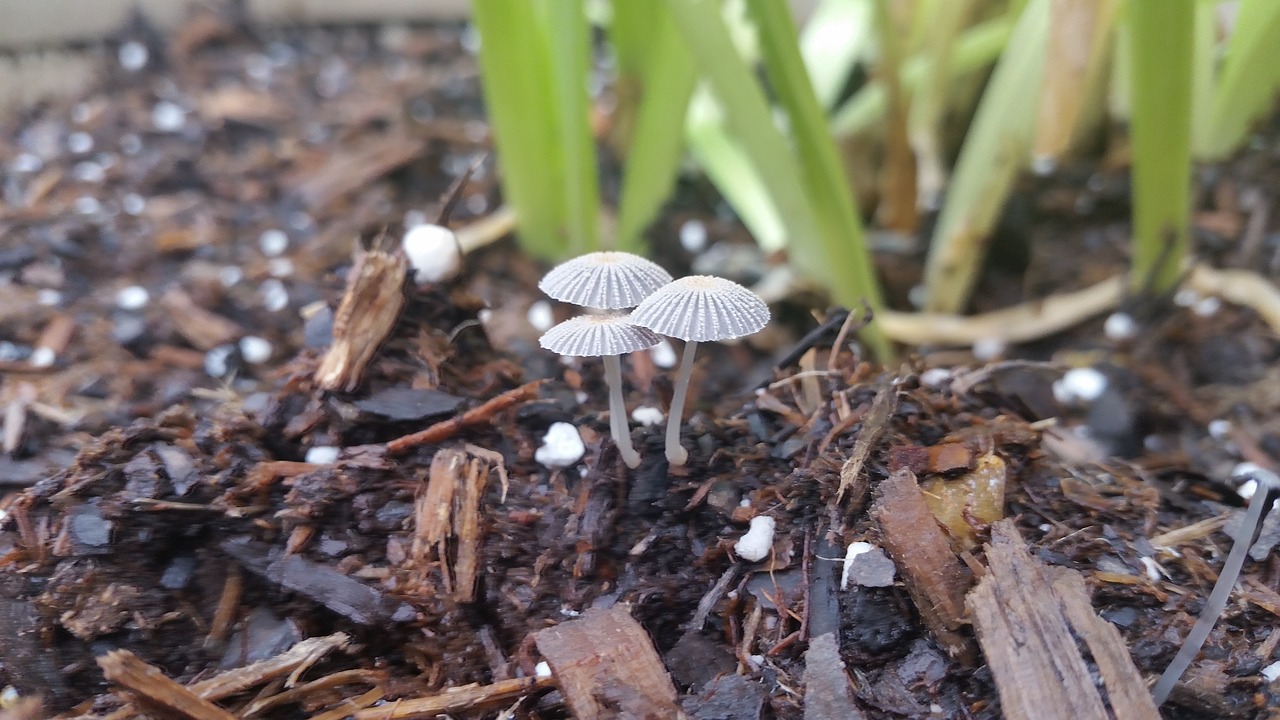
x: 702, y: 308
x: 598, y: 335
x: 604, y: 280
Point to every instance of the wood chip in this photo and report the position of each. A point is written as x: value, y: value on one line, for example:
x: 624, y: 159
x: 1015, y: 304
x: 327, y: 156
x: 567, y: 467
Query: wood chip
x: 877, y: 420
x: 606, y: 666
x: 155, y: 692
x: 827, y: 694
x: 347, y: 172
x: 933, y: 574
x: 367, y: 314
x: 203, y: 328
x: 1028, y: 616
x: 456, y: 700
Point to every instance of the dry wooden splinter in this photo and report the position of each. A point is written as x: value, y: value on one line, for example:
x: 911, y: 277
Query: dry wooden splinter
x: 366, y: 316
x: 156, y: 692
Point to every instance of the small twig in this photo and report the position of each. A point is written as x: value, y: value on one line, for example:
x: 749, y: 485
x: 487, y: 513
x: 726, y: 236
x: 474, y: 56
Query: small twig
x: 156, y: 692
x: 478, y: 415
x: 1241, y: 287
x: 456, y: 699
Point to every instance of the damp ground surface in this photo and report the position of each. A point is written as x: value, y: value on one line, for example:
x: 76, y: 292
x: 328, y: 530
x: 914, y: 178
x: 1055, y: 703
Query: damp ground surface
x: 188, y: 486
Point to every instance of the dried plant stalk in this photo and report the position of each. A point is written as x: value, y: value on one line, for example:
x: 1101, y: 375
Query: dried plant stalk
x: 368, y: 312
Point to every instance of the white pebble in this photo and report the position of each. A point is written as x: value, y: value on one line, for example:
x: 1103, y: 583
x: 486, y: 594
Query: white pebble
x: 134, y: 297
x: 756, y: 544
x: 280, y: 267
x: 854, y: 550
x: 168, y: 116
x: 87, y: 205
x: 561, y: 447
x: 10, y: 694
x: 1207, y: 307
x: 433, y: 253
x: 1186, y: 297
x: 79, y: 142
x: 215, y: 361
x: 664, y: 356
x: 936, y: 378
x: 988, y: 349
x: 581, y: 396
x: 273, y: 242
x: 42, y: 357
x: 1271, y: 672
x: 1044, y: 165
x: 693, y: 236
x: 133, y: 56
x: 543, y: 670
x: 647, y: 416
x: 1080, y: 386
x: 484, y: 316
x: 230, y: 275
x: 322, y: 455
x: 1153, y: 570
x: 26, y: 163
x: 255, y: 350
x: 540, y: 316
x: 275, y: 297
x: 1219, y: 429
x: 133, y: 203
x: 48, y: 297
x: 1120, y: 326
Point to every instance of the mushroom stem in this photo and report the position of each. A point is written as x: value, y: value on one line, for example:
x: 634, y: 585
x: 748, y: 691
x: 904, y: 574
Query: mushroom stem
x: 676, y: 454
x: 618, y: 426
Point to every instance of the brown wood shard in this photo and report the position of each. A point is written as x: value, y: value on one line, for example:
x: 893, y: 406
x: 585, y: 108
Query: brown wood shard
x: 366, y: 316
x: 467, y: 698
x: 933, y: 574
x: 1028, y: 616
x: 876, y: 422
x: 156, y: 693
x: 347, y: 172
x: 606, y: 666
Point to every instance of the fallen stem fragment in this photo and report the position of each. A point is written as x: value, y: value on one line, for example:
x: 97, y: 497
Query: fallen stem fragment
x: 456, y: 700
x: 1241, y: 287
x: 478, y: 415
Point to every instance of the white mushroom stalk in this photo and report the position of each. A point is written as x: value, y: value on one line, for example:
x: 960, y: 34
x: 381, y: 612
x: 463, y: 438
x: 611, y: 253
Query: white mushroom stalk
x: 606, y: 336
x: 698, y: 309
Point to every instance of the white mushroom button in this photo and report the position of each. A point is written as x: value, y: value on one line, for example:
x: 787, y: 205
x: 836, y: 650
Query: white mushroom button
x: 756, y: 544
x: 433, y: 252
x: 561, y: 447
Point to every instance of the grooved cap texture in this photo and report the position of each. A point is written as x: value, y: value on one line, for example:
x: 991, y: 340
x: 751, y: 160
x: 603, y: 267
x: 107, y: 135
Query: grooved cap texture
x: 597, y: 335
x: 604, y: 280
x: 702, y: 308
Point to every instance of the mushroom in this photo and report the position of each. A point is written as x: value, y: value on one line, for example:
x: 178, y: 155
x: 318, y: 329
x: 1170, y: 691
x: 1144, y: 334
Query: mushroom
x: 700, y: 308
x: 604, y: 280
x: 607, y: 336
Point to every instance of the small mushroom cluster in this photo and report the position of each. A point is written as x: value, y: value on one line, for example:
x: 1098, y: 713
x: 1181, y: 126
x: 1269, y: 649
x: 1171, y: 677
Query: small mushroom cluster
x: 694, y: 309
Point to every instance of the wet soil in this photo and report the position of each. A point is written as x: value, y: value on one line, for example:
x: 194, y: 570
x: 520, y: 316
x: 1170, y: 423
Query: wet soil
x: 173, y: 248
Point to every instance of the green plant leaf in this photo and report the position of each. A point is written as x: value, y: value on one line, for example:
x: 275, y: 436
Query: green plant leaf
x: 995, y: 148
x: 1162, y: 38
x: 1246, y: 88
x: 570, y: 62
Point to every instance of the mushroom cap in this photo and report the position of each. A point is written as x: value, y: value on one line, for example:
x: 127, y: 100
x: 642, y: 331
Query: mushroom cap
x: 604, y: 280
x: 702, y: 308
x: 597, y: 335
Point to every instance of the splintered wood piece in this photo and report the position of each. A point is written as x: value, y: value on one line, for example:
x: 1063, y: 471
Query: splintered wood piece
x: 606, y: 666
x: 456, y: 700
x: 1028, y: 617
x: 347, y: 172
x: 933, y: 574
x: 873, y: 426
x: 155, y: 692
x: 203, y: 328
x: 366, y: 316
x: 827, y: 695
x: 478, y: 415
x: 467, y: 526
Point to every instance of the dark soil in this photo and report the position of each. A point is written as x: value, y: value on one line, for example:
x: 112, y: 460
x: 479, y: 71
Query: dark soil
x: 159, y: 499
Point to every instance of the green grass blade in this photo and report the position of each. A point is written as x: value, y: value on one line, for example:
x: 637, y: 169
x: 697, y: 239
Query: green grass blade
x: 653, y: 160
x: 975, y: 49
x: 1250, y: 77
x: 516, y: 81
x: 747, y: 115
x: 570, y: 45
x: 842, y: 244
x: 730, y: 170
x: 1203, y: 67
x: 945, y: 20
x: 1162, y: 34
x: 995, y: 148
x: 835, y: 37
